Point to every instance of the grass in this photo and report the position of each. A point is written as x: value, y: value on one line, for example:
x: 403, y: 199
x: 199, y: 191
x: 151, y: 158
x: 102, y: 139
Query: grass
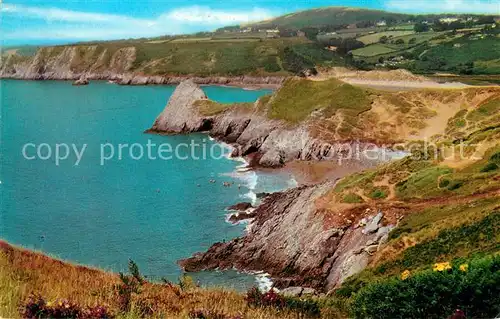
x: 24, y: 272
x: 299, y: 98
x: 436, y: 234
x: 375, y: 37
x: 373, y: 50
x: 451, y: 55
x: 210, y: 108
x: 352, y: 198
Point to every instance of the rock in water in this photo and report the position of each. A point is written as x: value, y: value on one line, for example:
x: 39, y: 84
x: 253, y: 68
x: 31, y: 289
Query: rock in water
x: 181, y: 115
x: 81, y: 81
x: 240, y: 206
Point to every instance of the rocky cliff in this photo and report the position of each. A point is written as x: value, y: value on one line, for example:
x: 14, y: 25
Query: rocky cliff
x: 95, y: 63
x: 267, y: 142
x: 316, y: 236
x: 289, y: 240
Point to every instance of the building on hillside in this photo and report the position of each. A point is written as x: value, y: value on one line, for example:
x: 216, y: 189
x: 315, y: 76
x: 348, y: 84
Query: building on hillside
x: 301, y: 34
x: 272, y: 33
x: 331, y: 48
x: 448, y: 20
x: 381, y: 23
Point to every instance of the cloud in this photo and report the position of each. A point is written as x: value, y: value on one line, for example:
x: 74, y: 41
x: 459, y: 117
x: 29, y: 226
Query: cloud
x: 444, y: 6
x: 80, y: 25
x: 198, y: 14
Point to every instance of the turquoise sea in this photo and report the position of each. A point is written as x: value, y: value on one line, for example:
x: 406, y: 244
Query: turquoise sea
x: 152, y: 211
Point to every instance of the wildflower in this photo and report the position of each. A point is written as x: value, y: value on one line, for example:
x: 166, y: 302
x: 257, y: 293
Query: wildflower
x: 464, y: 267
x: 405, y: 274
x: 442, y: 266
x: 49, y: 303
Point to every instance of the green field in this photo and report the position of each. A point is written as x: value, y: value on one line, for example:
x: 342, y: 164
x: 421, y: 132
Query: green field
x: 375, y: 37
x: 419, y: 37
x: 373, y: 50
x: 454, y: 55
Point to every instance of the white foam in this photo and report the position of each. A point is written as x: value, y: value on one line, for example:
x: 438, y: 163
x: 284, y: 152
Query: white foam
x: 263, y: 280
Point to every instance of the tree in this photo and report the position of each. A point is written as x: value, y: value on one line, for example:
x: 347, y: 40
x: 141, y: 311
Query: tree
x: 383, y: 39
x: 399, y: 42
x: 421, y: 27
x: 412, y: 41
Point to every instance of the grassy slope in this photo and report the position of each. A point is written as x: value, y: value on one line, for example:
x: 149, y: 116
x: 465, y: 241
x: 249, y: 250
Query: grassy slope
x: 298, y: 98
x: 24, y: 272
x: 328, y: 15
x: 447, y: 56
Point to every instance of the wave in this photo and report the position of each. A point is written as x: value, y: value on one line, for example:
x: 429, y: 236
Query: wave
x: 263, y: 281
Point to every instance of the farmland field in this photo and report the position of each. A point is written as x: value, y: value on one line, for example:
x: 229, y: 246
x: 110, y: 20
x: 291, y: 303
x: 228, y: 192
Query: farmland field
x: 373, y: 50
x: 483, y: 53
x: 375, y: 37
x: 419, y: 37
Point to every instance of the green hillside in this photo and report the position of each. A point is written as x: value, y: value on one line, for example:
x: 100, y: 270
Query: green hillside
x: 330, y: 16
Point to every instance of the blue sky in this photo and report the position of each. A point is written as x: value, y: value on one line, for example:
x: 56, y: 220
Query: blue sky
x: 61, y: 21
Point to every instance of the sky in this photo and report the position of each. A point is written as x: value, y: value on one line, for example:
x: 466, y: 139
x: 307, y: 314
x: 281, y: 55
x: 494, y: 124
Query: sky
x: 63, y: 21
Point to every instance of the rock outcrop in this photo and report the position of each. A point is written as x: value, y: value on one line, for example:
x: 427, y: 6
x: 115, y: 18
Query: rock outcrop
x: 241, y: 206
x: 268, y: 142
x: 288, y: 239
x: 81, y: 81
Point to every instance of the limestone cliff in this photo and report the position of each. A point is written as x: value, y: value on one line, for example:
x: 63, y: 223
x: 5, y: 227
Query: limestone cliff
x: 267, y: 142
x: 97, y: 63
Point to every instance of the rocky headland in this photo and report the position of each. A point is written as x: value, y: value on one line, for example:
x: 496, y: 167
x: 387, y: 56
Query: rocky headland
x: 319, y: 235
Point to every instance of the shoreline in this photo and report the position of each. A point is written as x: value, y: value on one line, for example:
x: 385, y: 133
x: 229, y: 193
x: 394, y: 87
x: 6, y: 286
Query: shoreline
x: 246, y: 82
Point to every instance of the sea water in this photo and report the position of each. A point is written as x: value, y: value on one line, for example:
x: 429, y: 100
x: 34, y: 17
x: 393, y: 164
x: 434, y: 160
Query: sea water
x: 154, y: 212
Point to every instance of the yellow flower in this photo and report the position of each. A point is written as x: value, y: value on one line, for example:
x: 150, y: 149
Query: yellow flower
x: 464, y: 267
x: 442, y: 266
x: 60, y: 303
x: 405, y: 274
x: 49, y: 303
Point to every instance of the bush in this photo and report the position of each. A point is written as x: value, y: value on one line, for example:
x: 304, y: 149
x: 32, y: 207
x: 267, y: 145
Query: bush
x: 490, y: 167
x: 186, y: 283
x: 474, y: 288
x: 421, y: 27
x: 399, y: 41
x: 37, y: 307
x: 378, y: 194
x: 308, y: 307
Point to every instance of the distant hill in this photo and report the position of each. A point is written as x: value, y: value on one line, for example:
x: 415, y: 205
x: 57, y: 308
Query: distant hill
x: 342, y: 16
x: 329, y: 16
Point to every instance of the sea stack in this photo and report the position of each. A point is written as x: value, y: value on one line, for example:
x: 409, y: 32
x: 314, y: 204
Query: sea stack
x: 181, y: 115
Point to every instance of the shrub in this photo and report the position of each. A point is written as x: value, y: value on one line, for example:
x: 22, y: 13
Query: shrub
x: 490, y: 167
x: 186, y: 283
x: 37, y: 307
x: 434, y: 294
x: 308, y: 307
x: 130, y: 284
x: 399, y: 41
x: 378, y: 194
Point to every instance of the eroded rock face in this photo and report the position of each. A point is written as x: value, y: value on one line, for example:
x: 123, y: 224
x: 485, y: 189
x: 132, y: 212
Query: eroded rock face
x: 181, y: 115
x: 272, y: 143
x: 288, y: 239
